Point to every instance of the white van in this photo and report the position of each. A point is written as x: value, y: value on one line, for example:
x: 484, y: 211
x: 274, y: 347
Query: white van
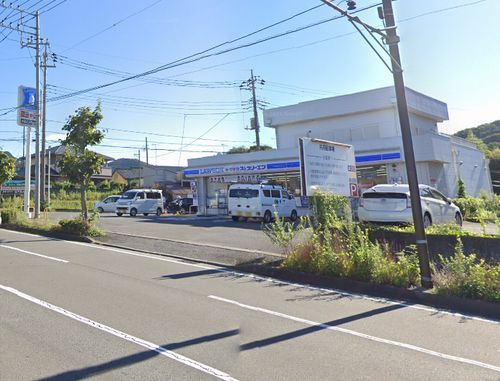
x: 260, y: 201
x: 143, y: 201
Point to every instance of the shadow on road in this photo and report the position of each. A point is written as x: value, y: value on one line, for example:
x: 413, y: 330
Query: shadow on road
x: 91, y: 371
x: 316, y: 328
x: 189, y: 274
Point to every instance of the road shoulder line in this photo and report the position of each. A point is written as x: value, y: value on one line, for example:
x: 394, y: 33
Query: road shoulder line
x: 122, y: 335
x: 399, y: 344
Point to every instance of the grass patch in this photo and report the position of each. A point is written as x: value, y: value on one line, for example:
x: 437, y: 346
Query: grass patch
x: 339, y: 248
x: 75, y: 226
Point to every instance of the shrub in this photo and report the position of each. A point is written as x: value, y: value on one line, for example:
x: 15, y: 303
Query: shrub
x: 283, y: 234
x: 81, y: 227
x: 13, y: 216
x: 465, y: 276
x: 473, y: 209
x: 340, y: 248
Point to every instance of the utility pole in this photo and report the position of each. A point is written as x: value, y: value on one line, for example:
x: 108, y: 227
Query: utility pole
x: 404, y: 121
x: 37, y: 132
x: 147, y: 152
x: 390, y: 37
x: 45, y: 66
x: 20, y: 26
x: 250, y: 85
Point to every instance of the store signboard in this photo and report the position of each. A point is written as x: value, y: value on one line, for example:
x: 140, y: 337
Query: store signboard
x: 26, y: 106
x: 327, y: 166
x: 243, y: 168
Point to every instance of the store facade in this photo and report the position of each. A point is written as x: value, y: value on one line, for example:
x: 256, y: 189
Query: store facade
x: 366, y: 120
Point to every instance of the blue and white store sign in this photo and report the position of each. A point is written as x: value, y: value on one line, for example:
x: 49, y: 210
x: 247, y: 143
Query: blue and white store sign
x: 244, y: 168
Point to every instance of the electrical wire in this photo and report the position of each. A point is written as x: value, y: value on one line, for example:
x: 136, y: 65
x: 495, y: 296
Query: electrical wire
x: 113, y: 25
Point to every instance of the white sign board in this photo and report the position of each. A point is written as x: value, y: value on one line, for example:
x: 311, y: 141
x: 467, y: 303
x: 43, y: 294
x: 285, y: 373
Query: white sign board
x: 328, y: 167
x: 194, y: 192
x: 26, y: 106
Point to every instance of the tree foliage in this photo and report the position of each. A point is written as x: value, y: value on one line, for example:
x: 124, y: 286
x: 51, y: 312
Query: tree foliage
x: 487, y: 134
x: 7, y: 167
x: 79, y: 164
x: 243, y: 149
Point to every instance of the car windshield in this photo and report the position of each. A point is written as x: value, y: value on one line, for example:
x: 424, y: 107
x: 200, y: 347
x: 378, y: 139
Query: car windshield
x: 244, y: 193
x: 128, y: 195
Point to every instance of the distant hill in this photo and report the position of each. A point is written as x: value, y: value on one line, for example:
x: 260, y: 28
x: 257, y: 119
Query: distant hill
x: 489, y: 133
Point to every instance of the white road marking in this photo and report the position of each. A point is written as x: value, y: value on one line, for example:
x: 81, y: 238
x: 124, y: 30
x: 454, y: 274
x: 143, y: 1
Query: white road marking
x: 35, y: 254
x: 279, y: 282
x: 125, y: 336
x: 361, y: 335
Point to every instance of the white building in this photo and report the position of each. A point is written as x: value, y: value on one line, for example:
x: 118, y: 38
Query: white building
x: 367, y: 120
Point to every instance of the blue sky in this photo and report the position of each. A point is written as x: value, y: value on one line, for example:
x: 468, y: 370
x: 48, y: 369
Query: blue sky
x: 449, y: 54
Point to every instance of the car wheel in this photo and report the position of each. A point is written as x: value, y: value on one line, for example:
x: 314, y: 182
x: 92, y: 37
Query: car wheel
x: 458, y: 219
x: 293, y: 216
x: 427, y: 220
x: 133, y: 212
x: 159, y: 212
x: 146, y: 214
x: 119, y: 214
x: 100, y: 210
x: 235, y: 218
x: 267, y: 217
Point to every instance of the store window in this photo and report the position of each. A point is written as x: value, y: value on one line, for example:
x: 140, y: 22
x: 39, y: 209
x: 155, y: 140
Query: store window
x: 371, y: 176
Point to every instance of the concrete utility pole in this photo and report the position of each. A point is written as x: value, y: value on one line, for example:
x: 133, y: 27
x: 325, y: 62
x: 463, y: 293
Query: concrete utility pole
x: 404, y: 121
x: 147, y: 152
x: 45, y: 66
x: 20, y: 26
x: 255, y: 113
x: 391, y: 38
x: 37, y: 148
x: 250, y: 85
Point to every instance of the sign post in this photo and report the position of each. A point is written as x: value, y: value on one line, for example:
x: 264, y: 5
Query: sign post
x: 327, y: 166
x: 26, y: 117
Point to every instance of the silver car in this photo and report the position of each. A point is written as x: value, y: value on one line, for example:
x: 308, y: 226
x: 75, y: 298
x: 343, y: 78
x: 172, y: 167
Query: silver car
x: 107, y: 204
x: 391, y: 203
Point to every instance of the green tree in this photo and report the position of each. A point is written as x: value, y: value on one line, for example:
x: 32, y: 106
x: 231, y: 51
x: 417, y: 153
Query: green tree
x: 461, y: 189
x: 7, y: 167
x: 79, y: 164
x: 243, y: 149
x: 478, y: 142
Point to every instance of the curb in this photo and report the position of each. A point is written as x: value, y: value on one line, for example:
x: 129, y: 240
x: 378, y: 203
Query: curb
x: 45, y: 233
x: 180, y: 257
x: 201, y: 244
x: 472, y: 307
x: 481, y: 308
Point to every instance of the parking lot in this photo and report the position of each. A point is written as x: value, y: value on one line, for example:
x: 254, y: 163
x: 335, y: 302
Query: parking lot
x: 221, y: 231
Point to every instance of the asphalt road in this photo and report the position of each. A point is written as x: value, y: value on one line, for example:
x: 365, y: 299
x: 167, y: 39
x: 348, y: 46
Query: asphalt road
x: 76, y: 311
x: 219, y: 231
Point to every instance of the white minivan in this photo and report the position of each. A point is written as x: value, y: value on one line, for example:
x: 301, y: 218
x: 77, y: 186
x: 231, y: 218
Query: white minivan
x: 143, y: 201
x: 260, y: 201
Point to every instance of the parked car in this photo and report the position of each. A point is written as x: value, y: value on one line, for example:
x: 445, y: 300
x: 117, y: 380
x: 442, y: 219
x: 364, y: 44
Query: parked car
x: 107, y: 204
x: 143, y: 201
x: 260, y: 201
x: 391, y: 203
x: 182, y: 205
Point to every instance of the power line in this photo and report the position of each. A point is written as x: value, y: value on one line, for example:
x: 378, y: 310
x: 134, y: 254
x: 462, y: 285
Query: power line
x: 201, y: 55
x: 113, y: 25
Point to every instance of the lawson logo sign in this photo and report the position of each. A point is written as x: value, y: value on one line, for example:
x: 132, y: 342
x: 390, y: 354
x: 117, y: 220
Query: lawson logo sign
x: 243, y: 168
